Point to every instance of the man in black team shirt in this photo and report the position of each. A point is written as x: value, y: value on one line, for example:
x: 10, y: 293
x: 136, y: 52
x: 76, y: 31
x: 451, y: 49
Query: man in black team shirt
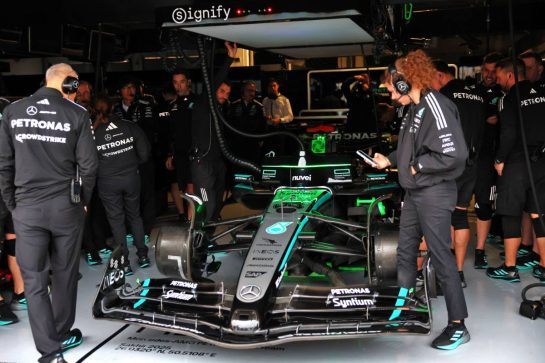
x: 472, y: 109
x: 44, y: 138
x: 359, y: 94
x: 122, y: 147
x: 526, y: 256
x: 514, y: 193
x: 486, y: 175
x: 179, y: 115
x: 207, y: 165
x: 246, y: 114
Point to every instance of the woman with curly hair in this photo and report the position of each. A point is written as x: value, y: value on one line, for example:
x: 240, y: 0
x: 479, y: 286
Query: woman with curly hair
x: 430, y: 155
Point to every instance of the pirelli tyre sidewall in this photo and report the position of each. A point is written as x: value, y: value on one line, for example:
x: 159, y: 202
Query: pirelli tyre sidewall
x: 385, y: 240
x: 174, y: 251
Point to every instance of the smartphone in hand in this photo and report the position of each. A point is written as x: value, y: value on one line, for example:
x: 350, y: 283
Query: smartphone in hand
x: 367, y: 158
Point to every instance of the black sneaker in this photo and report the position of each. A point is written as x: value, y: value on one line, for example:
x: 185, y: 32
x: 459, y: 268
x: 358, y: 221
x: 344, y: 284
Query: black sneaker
x: 521, y: 252
x: 539, y: 273
x: 18, y: 302
x: 73, y: 339
x: 528, y: 262
x: 462, y: 279
x: 493, y: 239
x: 143, y: 261
x: 420, y: 278
x: 105, y: 252
x: 502, y: 272
x: 93, y: 258
x: 127, y: 270
x: 481, y: 261
x: 452, y: 337
x: 7, y: 317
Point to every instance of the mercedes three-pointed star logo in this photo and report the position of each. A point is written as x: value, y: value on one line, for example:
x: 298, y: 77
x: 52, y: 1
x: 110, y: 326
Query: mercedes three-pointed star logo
x: 250, y: 292
x: 31, y: 110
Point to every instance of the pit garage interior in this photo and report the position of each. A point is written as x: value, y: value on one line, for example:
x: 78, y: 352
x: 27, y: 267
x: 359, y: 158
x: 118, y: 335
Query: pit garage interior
x: 290, y: 36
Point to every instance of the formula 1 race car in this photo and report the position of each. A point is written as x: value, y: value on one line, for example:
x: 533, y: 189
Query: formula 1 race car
x: 318, y: 262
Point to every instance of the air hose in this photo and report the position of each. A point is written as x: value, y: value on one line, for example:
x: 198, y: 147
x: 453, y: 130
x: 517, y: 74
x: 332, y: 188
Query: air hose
x: 217, y: 116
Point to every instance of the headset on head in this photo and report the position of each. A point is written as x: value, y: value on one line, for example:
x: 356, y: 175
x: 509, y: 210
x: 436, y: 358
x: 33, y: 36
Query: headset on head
x: 401, y: 85
x: 70, y: 85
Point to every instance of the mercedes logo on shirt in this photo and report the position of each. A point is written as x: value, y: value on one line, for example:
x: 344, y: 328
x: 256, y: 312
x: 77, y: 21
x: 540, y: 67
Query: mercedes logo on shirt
x: 107, y: 137
x: 250, y: 292
x: 31, y: 110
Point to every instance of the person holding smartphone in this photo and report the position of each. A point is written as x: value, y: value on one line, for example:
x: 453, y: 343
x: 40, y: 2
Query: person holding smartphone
x: 430, y: 155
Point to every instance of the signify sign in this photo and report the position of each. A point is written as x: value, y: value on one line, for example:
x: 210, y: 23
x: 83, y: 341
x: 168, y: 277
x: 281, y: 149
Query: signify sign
x: 181, y: 15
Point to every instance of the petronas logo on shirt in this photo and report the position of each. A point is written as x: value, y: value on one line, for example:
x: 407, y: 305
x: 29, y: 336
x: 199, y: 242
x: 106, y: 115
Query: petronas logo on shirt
x: 111, y: 126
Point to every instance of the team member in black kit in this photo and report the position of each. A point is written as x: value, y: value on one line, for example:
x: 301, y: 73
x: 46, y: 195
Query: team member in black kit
x: 486, y: 175
x: 430, y: 155
x: 471, y: 108
x: 361, y: 115
x: 246, y: 114
x: 207, y: 165
x: 514, y: 193
x: 43, y: 139
x: 180, y: 132
x: 139, y: 111
x: 122, y: 146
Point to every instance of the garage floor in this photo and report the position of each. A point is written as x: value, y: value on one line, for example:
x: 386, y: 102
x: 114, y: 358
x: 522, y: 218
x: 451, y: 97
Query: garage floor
x: 498, y: 333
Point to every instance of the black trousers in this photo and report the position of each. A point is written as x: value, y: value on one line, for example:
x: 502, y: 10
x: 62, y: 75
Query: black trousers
x: 427, y: 212
x: 486, y: 179
x: 49, y: 238
x: 97, y: 229
x: 209, y: 184
x: 121, y: 198
x: 147, y: 195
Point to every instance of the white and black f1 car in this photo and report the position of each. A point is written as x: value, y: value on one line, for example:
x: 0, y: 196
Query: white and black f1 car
x: 318, y: 263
